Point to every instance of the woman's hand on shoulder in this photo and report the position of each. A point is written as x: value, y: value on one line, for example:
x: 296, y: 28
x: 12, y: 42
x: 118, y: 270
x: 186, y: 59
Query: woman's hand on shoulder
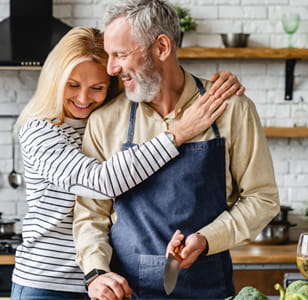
x: 225, y: 85
x: 198, y: 117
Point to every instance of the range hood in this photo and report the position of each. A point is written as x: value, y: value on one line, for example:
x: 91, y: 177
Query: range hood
x: 29, y: 33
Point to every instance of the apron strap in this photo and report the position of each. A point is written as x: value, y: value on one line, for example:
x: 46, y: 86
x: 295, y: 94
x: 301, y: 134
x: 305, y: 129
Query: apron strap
x: 131, y: 127
x: 202, y: 91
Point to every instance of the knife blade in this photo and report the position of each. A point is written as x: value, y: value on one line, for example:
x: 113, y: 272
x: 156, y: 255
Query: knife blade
x: 172, y: 269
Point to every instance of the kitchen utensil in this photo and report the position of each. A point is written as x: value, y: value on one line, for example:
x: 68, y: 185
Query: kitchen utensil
x: 274, y: 234
x: 15, y: 178
x: 282, y: 216
x: 277, y: 231
x: 235, y: 40
x: 7, y: 226
x: 172, y: 269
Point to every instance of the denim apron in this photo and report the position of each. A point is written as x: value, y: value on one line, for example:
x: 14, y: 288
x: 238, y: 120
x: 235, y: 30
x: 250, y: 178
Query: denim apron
x: 187, y: 194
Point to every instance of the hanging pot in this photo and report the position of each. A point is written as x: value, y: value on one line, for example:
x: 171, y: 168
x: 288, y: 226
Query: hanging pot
x: 7, y: 226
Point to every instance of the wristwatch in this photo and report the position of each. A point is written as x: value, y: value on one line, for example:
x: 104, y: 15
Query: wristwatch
x: 171, y: 138
x: 92, y: 275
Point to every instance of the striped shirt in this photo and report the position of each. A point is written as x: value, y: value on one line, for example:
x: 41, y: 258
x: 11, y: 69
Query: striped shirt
x: 56, y: 170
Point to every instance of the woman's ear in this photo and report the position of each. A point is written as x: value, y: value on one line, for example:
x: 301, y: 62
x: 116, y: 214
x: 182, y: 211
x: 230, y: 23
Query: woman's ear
x: 163, y: 47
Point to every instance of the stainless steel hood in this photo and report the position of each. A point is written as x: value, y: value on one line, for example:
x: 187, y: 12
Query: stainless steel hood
x: 29, y: 33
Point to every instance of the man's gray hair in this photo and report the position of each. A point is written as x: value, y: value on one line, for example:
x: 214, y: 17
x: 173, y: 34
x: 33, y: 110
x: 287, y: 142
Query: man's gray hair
x: 148, y: 19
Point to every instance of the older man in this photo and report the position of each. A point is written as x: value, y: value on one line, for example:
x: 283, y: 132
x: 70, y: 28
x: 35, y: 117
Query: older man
x: 220, y: 191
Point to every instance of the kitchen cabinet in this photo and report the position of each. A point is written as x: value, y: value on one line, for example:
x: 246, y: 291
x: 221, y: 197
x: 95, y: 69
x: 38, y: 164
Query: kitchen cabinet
x: 6, y: 268
x: 262, y: 266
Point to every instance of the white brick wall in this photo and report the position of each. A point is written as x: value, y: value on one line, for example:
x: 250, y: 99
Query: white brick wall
x: 264, y: 80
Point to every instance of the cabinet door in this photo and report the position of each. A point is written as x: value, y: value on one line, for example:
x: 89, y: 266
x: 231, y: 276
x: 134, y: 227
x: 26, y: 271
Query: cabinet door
x: 5, y: 280
x: 264, y: 280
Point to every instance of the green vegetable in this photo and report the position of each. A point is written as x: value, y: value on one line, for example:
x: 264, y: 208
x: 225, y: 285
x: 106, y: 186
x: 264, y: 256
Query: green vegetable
x: 297, y: 290
x: 249, y: 293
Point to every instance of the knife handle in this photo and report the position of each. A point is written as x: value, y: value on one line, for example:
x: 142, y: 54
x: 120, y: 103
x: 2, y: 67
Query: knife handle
x: 176, y: 253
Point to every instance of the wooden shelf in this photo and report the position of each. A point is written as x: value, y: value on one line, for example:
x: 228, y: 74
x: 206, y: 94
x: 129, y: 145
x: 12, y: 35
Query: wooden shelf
x: 286, y: 132
x: 289, y: 55
x: 261, y: 53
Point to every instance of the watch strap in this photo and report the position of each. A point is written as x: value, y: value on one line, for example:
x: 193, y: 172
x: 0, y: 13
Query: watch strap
x: 89, y: 277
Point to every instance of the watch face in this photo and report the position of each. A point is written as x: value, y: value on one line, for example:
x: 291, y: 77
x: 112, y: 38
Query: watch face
x: 170, y: 136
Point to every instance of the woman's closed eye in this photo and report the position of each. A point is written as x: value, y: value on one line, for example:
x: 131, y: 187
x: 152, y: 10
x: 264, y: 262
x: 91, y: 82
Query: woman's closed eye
x: 73, y: 85
x: 97, y: 88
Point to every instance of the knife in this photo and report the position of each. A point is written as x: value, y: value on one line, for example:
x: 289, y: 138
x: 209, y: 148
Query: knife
x: 172, y: 269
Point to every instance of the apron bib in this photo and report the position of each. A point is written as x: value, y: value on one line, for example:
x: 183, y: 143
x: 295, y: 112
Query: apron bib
x: 187, y: 194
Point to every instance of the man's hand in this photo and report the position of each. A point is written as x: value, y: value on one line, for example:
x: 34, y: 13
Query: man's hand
x: 225, y: 85
x: 109, y: 286
x: 195, y: 244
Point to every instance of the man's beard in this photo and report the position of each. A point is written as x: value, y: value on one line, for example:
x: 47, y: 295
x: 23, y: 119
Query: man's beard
x: 148, y: 82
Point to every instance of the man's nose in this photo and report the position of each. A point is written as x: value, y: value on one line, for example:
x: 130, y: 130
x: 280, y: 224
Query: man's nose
x: 113, y: 68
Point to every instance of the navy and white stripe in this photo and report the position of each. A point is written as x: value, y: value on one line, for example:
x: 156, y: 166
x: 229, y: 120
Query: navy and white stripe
x: 56, y: 170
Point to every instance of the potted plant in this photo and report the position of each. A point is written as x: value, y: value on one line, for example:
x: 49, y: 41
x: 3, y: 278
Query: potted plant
x: 187, y: 23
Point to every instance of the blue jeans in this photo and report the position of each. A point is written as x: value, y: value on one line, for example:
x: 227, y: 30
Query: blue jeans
x: 20, y: 292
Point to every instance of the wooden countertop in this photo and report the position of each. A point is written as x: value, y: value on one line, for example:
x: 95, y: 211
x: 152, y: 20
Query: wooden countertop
x: 250, y: 254
x: 7, y: 259
x: 266, y: 254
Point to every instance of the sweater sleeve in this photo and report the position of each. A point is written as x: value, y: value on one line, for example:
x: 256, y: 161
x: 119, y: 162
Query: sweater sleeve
x: 54, y: 157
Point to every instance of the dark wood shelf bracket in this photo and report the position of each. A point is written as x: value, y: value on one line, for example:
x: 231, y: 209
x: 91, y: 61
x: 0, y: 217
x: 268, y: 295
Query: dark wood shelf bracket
x: 289, y: 78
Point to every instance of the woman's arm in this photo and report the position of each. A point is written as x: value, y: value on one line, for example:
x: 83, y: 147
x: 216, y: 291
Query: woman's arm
x: 51, y: 155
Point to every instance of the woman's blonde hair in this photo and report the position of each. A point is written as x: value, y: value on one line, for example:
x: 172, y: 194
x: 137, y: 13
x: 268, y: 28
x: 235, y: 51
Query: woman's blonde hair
x: 78, y: 45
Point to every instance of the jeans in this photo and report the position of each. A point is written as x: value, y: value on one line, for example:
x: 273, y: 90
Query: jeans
x: 20, y: 292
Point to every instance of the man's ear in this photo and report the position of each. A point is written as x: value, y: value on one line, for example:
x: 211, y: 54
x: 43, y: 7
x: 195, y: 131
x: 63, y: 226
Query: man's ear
x: 163, y: 47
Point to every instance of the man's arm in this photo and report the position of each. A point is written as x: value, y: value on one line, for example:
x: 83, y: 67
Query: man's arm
x: 250, y: 178
x: 251, y: 188
x: 250, y: 167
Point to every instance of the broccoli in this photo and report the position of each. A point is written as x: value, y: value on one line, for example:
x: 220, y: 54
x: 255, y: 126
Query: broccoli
x: 249, y: 293
x: 297, y: 290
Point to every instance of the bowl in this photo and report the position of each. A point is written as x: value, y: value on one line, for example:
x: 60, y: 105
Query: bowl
x: 235, y: 40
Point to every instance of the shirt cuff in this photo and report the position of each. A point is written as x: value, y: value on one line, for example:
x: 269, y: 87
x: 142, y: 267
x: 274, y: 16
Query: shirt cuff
x: 171, y: 148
